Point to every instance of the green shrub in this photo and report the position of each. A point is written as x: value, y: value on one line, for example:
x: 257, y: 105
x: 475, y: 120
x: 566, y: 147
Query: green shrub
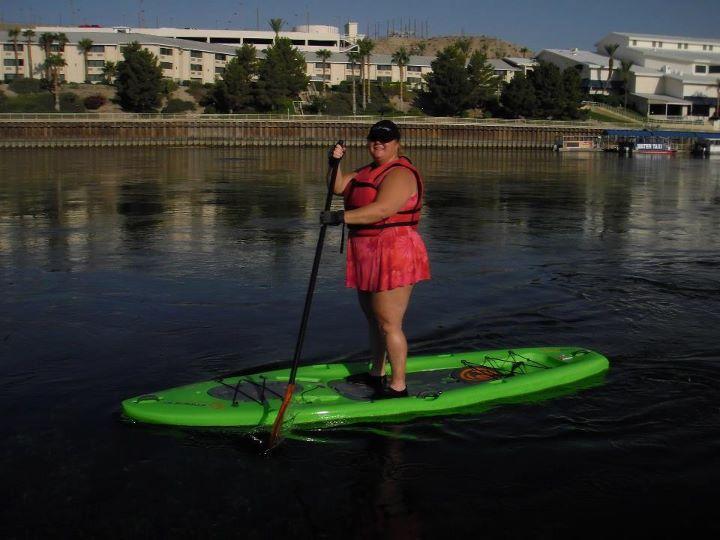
x: 168, y: 86
x: 178, y: 106
x: 70, y: 103
x: 28, y: 103
x: 93, y: 103
x: 26, y: 86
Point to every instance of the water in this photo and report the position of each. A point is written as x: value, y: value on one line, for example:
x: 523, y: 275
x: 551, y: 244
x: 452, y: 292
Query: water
x: 125, y: 271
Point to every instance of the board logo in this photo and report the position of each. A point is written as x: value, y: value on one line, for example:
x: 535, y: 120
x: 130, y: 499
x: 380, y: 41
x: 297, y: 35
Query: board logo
x: 477, y: 374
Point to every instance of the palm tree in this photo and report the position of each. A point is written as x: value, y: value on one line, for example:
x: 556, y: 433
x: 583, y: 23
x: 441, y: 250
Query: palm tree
x: 29, y: 34
x: 610, y: 49
x: 365, y: 48
x: 276, y: 25
x: 85, y: 45
x: 62, y: 40
x: 324, y: 55
x: 524, y: 51
x: 624, y: 72
x: 353, y: 57
x: 13, y: 34
x: 53, y: 63
x: 46, y: 40
x: 109, y: 70
x: 401, y: 58
x: 717, y: 103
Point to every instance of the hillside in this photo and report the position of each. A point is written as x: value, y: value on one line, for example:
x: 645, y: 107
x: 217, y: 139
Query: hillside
x: 495, y: 47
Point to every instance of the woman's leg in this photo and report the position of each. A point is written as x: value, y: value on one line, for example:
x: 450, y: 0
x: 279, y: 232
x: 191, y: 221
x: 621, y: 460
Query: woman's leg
x: 377, y: 340
x: 389, y: 308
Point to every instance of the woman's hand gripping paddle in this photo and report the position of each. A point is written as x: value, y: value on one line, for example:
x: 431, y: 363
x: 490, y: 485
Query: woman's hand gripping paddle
x: 277, y: 426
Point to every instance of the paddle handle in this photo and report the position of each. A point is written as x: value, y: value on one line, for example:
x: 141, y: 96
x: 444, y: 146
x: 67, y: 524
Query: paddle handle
x: 334, y: 164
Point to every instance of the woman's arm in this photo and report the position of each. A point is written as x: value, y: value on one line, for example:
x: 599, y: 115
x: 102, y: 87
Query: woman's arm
x: 397, y: 187
x: 341, y: 180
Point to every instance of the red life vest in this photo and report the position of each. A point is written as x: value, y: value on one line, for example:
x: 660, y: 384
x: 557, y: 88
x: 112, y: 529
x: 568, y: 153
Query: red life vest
x: 363, y: 189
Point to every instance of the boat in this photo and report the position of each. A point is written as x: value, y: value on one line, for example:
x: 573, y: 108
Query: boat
x: 706, y: 147
x: 652, y: 145
x: 577, y: 144
x: 438, y: 385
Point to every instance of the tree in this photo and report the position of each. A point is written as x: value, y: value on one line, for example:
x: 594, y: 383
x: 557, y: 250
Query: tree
x: 365, y: 48
x: 485, y: 84
x: 109, y: 71
x: 624, y: 71
x: 29, y: 34
x: 547, y: 82
x: 401, y: 58
x: 139, y: 79
x: 281, y: 75
x: 464, y: 45
x: 610, y: 49
x: 518, y: 97
x: 524, y: 51
x: 85, y: 45
x: 62, y: 40
x: 572, y: 94
x: 53, y: 64
x: 13, y: 34
x: 450, y: 91
x: 353, y: 57
x: 234, y: 92
x: 276, y: 25
x: 323, y: 55
x: 46, y: 41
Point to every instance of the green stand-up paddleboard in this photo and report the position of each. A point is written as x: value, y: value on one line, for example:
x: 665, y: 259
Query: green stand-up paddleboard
x: 438, y: 385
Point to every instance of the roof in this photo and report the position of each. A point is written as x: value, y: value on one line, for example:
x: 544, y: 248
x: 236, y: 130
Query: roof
x: 501, y: 65
x: 520, y: 61
x: 118, y: 38
x: 660, y: 37
x: 662, y: 98
x: 581, y: 57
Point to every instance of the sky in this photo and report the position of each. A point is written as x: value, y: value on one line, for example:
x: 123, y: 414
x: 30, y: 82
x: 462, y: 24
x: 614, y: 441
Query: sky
x: 536, y: 24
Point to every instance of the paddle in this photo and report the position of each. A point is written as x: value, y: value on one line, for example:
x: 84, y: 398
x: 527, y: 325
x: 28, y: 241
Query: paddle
x: 333, y: 163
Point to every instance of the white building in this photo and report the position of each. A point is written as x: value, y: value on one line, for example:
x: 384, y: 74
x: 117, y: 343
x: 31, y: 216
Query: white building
x: 306, y: 37
x: 676, y: 75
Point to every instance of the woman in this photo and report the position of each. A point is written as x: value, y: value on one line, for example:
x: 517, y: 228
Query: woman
x: 385, y: 255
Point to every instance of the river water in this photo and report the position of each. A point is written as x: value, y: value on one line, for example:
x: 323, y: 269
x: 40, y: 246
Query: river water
x: 127, y: 271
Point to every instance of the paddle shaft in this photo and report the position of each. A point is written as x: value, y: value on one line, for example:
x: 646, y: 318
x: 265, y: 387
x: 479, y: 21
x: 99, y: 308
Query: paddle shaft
x: 308, y: 304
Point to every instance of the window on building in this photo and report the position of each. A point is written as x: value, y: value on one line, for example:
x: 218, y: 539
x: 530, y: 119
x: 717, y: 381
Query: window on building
x: 193, y: 38
x: 166, y: 65
x: 196, y: 79
x: 680, y: 45
x: 321, y: 65
x: 321, y: 43
x: 298, y: 42
x: 660, y: 43
x: 97, y: 49
x: 351, y: 77
x: 219, y: 70
x: 384, y: 79
x: 165, y: 52
x: 634, y: 42
x: 96, y: 63
x: 96, y: 77
x: 701, y: 69
x: 685, y: 46
x: 258, y: 41
x: 221, y: 57
x: 11, y: 62
x: 710, y: 47
x: 196, y: 54
x: 714, y: 69
x: 224, y: 40
x: 195, y: 67
x: 654, y: 44
x: 9, y: 47
x: 384, y: 67
x: 414, y: 68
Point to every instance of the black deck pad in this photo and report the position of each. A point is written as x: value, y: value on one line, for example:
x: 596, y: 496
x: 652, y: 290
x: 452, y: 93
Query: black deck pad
x: 422, y: 383
x: 251, y: 391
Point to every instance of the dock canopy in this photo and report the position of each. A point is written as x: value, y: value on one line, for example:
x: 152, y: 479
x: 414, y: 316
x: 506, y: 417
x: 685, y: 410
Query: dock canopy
x: 628, y: 133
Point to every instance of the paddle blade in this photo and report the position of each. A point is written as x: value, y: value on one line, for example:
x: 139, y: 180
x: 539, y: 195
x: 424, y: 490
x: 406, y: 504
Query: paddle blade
x: 277, y: 426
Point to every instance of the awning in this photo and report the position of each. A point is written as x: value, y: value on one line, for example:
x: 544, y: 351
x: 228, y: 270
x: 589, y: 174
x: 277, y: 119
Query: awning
x: 662, y: 98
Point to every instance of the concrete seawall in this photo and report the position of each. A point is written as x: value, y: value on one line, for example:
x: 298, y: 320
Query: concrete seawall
x: 65, y: 130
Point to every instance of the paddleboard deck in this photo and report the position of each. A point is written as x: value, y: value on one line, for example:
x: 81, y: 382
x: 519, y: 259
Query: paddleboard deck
x: 437, y: 385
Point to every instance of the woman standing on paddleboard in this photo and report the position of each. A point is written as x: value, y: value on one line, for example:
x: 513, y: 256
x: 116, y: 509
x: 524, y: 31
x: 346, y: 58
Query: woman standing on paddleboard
x: 385, y: 255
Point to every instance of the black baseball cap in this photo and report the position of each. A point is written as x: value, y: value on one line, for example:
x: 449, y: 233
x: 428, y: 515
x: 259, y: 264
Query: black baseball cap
x: 384, y: 131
